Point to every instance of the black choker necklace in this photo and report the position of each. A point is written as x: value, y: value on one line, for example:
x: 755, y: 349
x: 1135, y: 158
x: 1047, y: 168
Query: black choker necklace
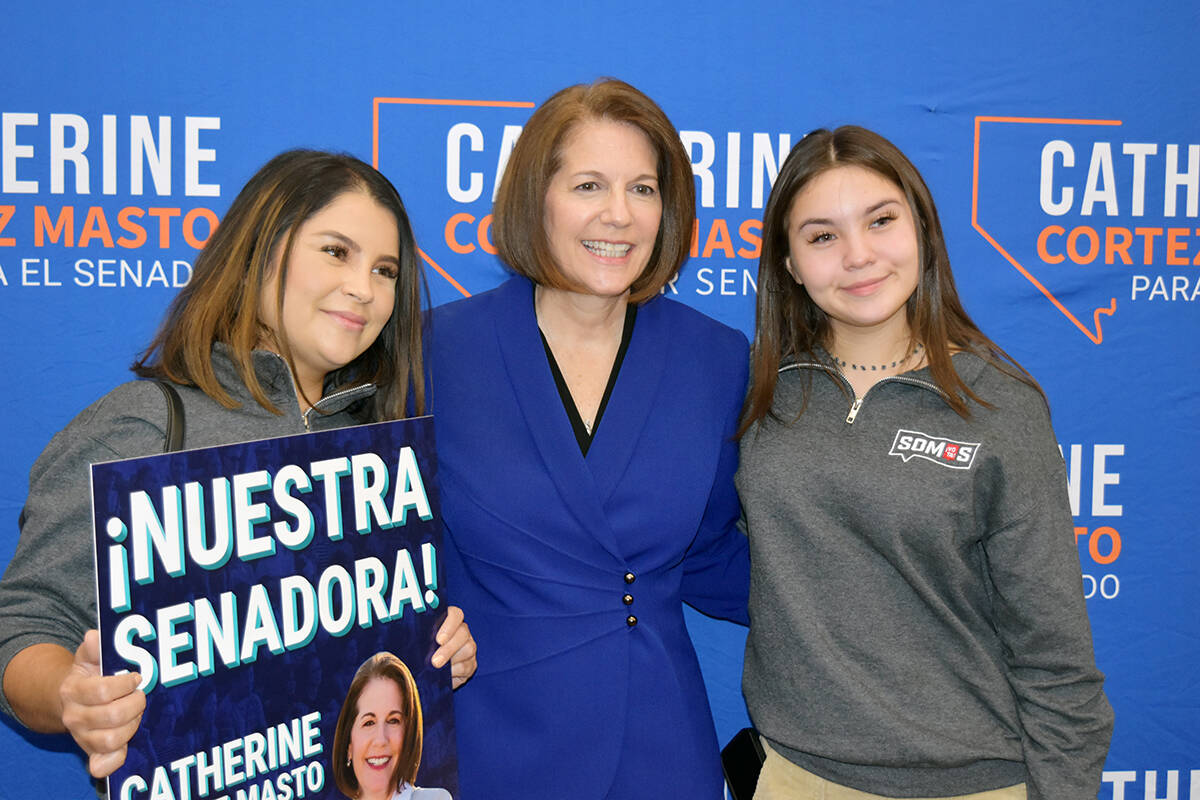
x: 877, y: 367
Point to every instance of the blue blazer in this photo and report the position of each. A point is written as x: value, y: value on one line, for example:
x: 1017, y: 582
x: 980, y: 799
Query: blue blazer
x: 572, y: 571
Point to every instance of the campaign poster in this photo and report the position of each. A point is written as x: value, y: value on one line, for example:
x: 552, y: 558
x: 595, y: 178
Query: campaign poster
x: 248, y: 584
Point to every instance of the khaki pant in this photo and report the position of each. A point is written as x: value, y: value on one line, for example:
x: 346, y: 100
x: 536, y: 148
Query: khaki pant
x: 780, y: 779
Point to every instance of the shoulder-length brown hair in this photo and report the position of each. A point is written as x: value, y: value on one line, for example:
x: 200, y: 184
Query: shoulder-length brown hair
x: 790, y: 325
x: 519, y: 213
x: 388, y: 667
x: 221, y: 302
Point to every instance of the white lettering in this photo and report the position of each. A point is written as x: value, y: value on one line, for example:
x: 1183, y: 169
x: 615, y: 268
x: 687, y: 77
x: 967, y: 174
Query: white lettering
x: 509, y: 140
x: 9, y: 122
x: 454, y: 139
x: 1139, y: 151
x: 194, y: 154
x: 1055, y: 208
x: 1102, y: 478
x: 764, y: 161
x: 1175, y: 179
x: 60, y: 153
x: 1100, y: 171
x: 143, y: 148
x: 702, y: 165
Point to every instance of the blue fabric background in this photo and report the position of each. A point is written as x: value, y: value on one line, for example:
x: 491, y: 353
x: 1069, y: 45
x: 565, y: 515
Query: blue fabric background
x: 972, y: 92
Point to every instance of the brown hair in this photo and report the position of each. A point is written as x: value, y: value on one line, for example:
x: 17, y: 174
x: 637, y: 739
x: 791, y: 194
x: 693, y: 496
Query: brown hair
x: 790, y: 325
x: 221, y: 302
x: 388, y: 667
x: 519, y: 212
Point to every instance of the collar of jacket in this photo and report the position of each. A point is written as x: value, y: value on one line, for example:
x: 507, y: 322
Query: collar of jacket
x: 969, y: 365
x: 276, y: 379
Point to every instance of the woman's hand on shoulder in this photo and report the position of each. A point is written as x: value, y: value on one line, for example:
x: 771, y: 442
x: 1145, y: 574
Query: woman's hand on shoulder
x: 101, y: 712
x: 456, y: 646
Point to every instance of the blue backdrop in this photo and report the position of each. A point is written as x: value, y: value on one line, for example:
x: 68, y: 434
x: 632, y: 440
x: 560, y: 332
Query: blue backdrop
x: 1061, y: 142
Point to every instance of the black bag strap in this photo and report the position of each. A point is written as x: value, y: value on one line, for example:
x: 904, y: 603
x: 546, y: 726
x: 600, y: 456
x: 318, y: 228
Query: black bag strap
x: 174, y: 417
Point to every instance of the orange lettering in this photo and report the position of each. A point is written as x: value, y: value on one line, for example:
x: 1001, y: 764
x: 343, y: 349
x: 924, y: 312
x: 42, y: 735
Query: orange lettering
x: 65, y: 227
x: 1093, y: 245
x: 695, y: 249
x: 6, y: 213
x: 485, y: 241
x: 451, y: 239
x: 1175, y: 247
x: 95, y: 226
x: 718, y: 238
x: 164, y: 223
x: 1094, y: 545
x: 189, y: 226
x: 747, y: 231
x: 1043, y: 253
x: 125, y: 222
x: 1113, y: 247
x: 1148, y: 235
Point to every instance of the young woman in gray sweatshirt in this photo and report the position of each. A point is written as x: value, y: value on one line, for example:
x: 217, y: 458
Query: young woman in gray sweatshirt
x: 303, y: 313
x: 918, y: 627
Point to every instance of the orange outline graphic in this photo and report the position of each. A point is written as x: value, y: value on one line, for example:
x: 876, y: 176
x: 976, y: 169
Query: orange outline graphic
x: 1096, y: 337
x: 428, y: 101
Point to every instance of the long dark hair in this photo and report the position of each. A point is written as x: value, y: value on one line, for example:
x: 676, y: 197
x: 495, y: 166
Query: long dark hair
x: 221, y: 302
x: 790, y: 325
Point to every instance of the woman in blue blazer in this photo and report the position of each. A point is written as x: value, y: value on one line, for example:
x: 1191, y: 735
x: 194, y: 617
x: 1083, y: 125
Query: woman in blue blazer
x: 585, y: 436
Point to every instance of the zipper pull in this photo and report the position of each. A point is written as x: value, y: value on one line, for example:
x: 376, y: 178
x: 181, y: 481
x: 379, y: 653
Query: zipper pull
x: 854, y: 410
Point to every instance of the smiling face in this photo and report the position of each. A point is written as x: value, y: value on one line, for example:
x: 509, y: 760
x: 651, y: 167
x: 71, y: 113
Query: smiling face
x: 853, y: 246
x: 340, y: 287
x: 603, y: 207
x: 376, y: 737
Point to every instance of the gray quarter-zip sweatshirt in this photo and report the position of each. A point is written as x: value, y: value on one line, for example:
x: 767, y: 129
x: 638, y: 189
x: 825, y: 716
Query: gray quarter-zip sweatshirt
x: 918, y: 627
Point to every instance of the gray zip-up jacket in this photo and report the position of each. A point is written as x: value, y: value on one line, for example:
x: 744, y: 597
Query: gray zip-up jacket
x: 48, y: 593
x: 918, y: 626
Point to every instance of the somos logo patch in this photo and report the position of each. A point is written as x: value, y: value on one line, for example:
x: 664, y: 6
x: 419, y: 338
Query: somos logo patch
x: 947, y: 452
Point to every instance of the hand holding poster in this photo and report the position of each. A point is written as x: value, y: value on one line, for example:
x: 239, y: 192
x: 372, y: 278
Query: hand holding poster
x: 247, y: 584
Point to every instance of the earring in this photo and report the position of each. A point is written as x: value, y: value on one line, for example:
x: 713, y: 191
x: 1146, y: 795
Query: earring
x: 347, y: 759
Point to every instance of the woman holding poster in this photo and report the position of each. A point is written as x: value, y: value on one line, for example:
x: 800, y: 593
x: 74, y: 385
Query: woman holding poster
x: 302, y: 314
x: 585, y: 443
x: 919, y: 628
